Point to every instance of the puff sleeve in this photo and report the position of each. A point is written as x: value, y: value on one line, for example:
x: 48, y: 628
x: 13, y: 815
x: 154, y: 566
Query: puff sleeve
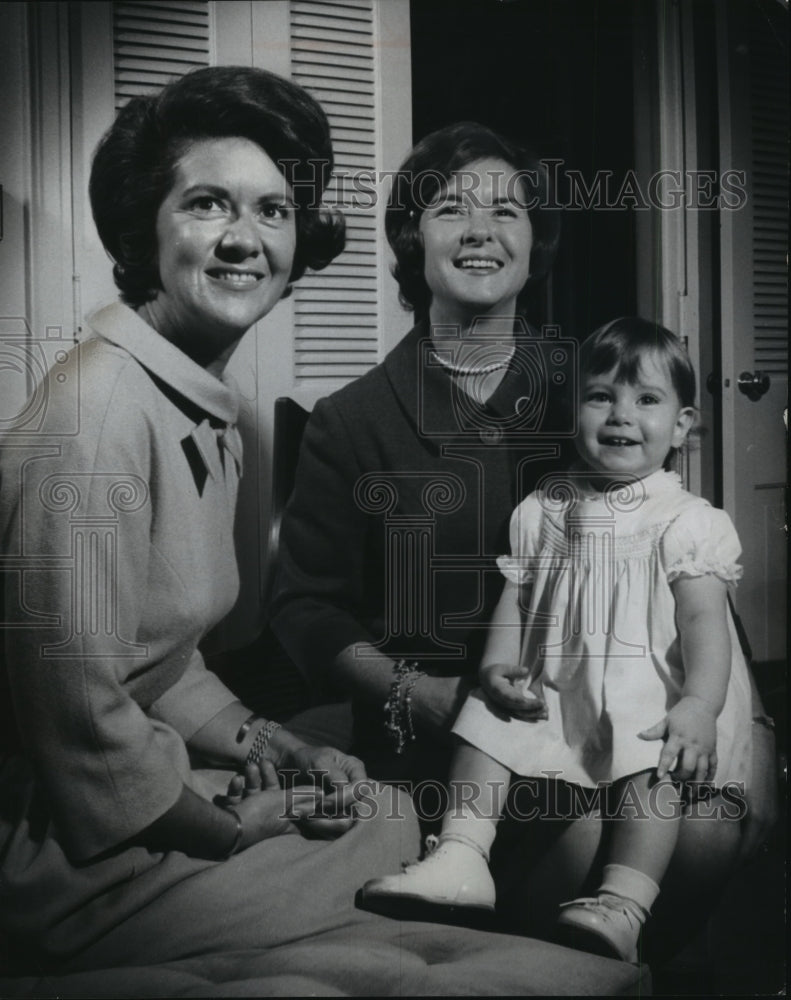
x: 701, y: 541
x: 524, y: 535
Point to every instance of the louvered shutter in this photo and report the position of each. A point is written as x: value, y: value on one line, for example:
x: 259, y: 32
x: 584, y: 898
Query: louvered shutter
x: 336, y: 313
x: 769, y: 99
x: 753, y: 138
x: 157, y: 42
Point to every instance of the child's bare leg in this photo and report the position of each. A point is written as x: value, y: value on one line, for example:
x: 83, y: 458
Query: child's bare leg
x: 645, y: 825
x: 645, y: 829
x: 477, y: 787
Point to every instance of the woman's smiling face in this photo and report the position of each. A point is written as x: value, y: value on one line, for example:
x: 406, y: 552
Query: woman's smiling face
x: 226, y: 238
x: 477, y: 240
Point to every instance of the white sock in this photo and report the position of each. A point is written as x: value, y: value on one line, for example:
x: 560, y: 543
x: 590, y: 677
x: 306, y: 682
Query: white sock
x: 463, y: 826
x: 632, y: 884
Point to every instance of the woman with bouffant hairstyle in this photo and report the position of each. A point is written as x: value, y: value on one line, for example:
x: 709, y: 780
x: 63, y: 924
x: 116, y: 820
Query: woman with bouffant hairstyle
x: 417, y: 184
x: 149, y: 136
x: 457, y: 415
x: 143, y: 818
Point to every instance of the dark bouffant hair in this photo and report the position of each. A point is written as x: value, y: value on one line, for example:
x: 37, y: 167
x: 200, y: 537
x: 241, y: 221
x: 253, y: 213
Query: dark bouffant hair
x: 621, y: 345
x: 420, y: 179
x: 134, y: 165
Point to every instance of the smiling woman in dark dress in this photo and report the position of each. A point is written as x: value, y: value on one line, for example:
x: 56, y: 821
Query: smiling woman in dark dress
x: 406, y: 482
x: 407, y: 476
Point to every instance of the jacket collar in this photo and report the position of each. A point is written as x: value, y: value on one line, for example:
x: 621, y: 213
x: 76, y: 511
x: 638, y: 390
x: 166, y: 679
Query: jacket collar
x: 434, y: 403
x: 122, y: 326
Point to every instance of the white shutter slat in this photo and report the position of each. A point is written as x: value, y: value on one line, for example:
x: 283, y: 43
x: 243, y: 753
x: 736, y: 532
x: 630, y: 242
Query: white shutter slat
x: 338, y: 287
x: 334, y: 307
x: 147, y: 47
x: 355, y: 10
x: 327, y: 53
x: 360, y: 135
x: 360, y: 239
x: 338, y: 101
x: 356, y: 216
x: 181, y: 8
x: 336, y: 311
x: 360, y: 161
x: 353, y: 40
x: 355, y: 153
x: 311, y: 74
x: 135, y: 69
x: 348, y: 345
x: 328, y: 333
x: 342, y: 346
x: 318, y: 315
x: 770, y: 208
x: 355, y: 231
x: 329, y: 27
x: 342, y: 371
x: 359, y: 257
x: 346, y: 119
x: 142, y: 32
x: 336, y: 54
x: 155, y: 42
x: 339, y: 292
x: 352, y: 273
x: 334, y: 279
x: 360, y: 250
x: 158, y: 16
x: 340, y: 357
x: 331, y: 71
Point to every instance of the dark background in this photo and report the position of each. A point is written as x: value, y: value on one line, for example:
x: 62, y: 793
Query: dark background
x: 558, y: 77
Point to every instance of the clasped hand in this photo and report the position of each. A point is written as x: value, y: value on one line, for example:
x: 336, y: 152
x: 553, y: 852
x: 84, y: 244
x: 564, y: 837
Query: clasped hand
x: 690, y: 733
x: 320, y: 806
x: 504, y: 683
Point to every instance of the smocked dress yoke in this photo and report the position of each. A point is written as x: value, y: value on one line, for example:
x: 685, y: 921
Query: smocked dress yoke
x: 599, y: 636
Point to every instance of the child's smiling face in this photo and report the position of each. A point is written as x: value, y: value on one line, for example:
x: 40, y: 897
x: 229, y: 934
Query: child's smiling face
x: 627, y: 427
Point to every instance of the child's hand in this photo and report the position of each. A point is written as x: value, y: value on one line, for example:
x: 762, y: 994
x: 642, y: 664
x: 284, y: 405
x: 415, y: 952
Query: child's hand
x: 690, y: 733
x: 504, y: 683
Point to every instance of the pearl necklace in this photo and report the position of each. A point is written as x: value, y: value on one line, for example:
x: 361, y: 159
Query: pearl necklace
x: 469, y: 370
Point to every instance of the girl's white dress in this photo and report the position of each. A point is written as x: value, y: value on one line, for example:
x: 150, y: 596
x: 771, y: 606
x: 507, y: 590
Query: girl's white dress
x: 599, y: 633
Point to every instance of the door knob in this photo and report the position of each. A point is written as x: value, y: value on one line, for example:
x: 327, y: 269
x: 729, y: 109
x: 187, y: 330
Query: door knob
x: 753, y: 384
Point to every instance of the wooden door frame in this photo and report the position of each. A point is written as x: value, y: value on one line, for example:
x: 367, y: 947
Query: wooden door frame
x: 39, y: 304
x: 674, y: 248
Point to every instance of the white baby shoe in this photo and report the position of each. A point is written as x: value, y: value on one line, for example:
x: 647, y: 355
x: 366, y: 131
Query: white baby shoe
x: 452, y: 883
x: 605, y: 925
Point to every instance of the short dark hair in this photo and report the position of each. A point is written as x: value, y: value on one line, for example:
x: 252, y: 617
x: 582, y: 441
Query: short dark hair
x: 621, y: 345
x: 134, y: 165
x: 428, y: 167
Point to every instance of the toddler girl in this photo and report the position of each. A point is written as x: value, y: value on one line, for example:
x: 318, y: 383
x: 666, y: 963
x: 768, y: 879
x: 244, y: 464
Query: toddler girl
x: 612, y: 632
